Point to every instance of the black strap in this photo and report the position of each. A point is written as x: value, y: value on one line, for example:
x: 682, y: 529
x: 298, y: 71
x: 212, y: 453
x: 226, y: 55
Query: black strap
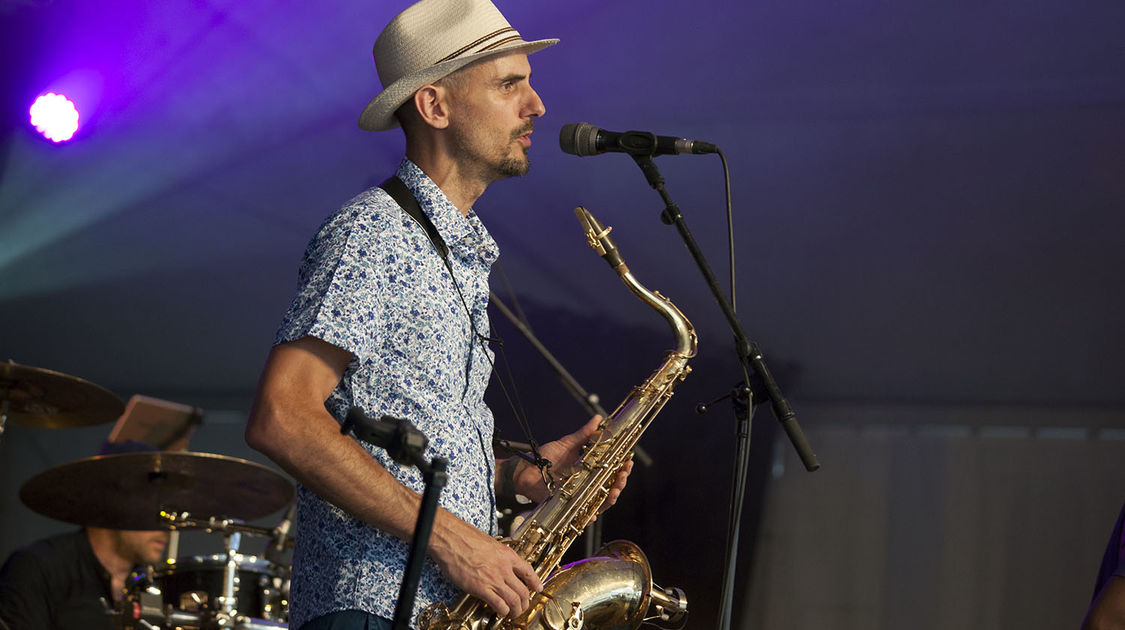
x: 402, y: 195
x: 406, y: 200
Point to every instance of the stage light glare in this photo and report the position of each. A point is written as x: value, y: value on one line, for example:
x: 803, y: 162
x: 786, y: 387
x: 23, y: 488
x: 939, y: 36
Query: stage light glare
x: 54, y: 116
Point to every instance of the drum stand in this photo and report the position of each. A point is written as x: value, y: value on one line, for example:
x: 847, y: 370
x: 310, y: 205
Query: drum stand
x: 226, y: 614
x: 228, y: 600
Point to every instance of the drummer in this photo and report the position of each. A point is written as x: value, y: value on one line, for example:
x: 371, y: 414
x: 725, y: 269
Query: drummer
x: 72, y: 580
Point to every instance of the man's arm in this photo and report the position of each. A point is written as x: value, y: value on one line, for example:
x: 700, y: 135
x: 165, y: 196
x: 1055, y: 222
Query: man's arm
x: 290, y: 425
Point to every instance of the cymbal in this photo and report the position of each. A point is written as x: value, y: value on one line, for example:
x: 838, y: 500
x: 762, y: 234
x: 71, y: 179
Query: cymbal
x: 43, y: 398
x: 129, y: 491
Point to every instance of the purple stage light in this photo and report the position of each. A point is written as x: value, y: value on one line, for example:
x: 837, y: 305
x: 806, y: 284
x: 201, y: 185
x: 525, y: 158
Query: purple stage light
x: 54, y: 116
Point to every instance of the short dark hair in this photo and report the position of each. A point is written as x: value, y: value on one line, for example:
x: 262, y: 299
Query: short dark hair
x: 407, y: 116
x: 407, y: 113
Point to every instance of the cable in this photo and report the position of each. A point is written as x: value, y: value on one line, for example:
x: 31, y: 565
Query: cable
x: 742, y: 456
x: 543, y: 464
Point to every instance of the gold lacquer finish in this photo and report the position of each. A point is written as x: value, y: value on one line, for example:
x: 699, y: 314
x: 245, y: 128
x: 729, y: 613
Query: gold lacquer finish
x: 614, y: 589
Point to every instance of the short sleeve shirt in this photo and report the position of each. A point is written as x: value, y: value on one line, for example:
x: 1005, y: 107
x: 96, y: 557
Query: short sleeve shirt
x: 372, y: 284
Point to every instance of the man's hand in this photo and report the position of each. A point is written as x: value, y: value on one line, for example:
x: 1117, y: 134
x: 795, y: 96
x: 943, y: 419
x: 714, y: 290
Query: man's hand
x: 482, y: 567
x: 564, y: 453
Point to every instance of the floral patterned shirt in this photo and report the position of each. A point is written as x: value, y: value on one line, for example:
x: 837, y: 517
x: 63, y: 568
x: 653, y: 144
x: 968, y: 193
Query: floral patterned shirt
x: 371, y: 283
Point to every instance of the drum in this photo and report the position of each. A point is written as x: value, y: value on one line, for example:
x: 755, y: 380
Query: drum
x: 195, y: 584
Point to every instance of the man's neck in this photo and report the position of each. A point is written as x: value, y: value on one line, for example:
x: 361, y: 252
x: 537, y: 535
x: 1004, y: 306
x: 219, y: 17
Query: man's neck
x: 104, y: 544
x: 461, y: 187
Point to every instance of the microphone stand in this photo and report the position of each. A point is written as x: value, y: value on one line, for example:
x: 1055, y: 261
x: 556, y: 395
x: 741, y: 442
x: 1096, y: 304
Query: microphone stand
x: 751, y: 361
x: 406, y: 445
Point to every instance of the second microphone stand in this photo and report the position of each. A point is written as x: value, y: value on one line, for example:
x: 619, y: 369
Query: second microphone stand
x: 751, y: 361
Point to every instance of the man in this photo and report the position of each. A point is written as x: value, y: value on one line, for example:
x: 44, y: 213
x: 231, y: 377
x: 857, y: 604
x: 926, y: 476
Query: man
x: 68, y: 581
x: 381, y: 323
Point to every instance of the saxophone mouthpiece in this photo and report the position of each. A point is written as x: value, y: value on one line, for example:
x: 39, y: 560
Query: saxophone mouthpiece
x: 597, y: 236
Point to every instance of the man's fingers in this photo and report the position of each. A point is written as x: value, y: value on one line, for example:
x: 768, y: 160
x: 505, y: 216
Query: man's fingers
x: 529, y: 577
x: 517, y: 595
x: 610, y: 500
x: 623, y: 475
x: 617, y: 487
x: 590, y: 428
x: 495, y: 601
x: 515, y: 592
x: 513, y: 603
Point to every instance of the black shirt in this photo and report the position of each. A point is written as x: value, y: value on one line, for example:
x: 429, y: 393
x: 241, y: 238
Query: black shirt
x: 55, y: 584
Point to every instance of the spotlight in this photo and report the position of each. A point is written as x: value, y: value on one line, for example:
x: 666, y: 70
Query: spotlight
x: 54, y: 116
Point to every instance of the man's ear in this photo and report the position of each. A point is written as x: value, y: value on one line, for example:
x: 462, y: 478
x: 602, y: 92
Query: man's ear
x: 431, y: 102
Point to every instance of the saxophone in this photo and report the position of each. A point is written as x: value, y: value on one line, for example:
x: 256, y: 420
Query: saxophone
x: 613, y: 589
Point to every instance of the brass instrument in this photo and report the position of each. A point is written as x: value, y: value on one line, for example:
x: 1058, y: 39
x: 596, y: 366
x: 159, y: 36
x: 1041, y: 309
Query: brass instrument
x: 614, y: 589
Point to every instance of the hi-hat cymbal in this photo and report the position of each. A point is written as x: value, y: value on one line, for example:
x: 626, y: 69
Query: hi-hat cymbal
x: 43, y: 398
x: 129, y: 491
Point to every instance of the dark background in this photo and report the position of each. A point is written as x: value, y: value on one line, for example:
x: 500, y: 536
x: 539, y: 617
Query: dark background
x: 927, y: 204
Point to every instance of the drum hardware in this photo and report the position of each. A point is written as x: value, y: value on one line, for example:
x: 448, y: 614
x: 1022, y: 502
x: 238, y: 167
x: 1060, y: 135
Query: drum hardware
x: 162, y: 490
x: 228, y: 602
x: 273, y: 603
x: 213, y: 525
x: 229, y: 590
x: 153, y: 491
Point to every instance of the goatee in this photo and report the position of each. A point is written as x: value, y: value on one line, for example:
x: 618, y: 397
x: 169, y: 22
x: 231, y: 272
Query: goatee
x: 514, y: 167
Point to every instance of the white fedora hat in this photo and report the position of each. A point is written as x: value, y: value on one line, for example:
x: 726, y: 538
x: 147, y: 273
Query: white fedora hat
x: 431, y: 39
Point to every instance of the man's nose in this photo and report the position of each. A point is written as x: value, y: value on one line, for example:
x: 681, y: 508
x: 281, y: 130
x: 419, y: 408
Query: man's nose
x: 535, y: 107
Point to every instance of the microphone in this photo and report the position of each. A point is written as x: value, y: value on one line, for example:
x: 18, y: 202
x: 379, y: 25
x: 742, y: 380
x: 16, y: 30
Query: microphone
x: 583, y: 139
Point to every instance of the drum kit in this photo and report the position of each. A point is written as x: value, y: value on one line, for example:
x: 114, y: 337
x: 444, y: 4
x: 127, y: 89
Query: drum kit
x: 156, y: 490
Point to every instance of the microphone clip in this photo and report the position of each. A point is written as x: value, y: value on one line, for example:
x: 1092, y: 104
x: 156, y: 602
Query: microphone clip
x: 637, y: 143
x: 399, y: 437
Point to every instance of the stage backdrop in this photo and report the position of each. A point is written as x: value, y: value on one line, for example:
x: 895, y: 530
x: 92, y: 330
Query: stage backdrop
x: 928, y: 216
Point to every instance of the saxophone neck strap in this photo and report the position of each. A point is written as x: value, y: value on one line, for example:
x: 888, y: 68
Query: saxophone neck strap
x: 406, y: 200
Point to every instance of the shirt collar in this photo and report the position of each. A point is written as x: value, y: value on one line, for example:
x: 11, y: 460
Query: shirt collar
x: 465, y: 235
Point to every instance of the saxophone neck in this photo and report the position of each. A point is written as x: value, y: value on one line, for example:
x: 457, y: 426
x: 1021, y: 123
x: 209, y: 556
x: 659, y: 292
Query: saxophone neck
x: 597, y: 237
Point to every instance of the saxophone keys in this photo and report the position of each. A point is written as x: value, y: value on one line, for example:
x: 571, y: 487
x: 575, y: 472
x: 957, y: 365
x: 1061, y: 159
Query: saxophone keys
x: 577, y: 618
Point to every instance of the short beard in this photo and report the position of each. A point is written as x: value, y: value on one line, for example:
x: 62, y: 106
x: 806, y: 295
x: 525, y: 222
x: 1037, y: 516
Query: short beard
x: 513, y: 167
x: 497, y: 170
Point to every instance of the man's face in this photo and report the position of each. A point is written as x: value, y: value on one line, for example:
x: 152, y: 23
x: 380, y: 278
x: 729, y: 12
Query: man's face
x: 492, y: 106
x: 141, y: 547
